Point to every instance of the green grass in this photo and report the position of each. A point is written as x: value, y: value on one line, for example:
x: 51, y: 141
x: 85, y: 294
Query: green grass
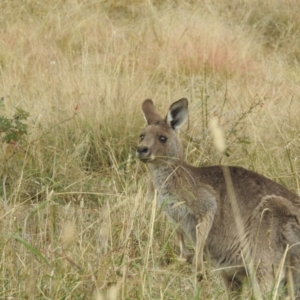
x: 75, y: 219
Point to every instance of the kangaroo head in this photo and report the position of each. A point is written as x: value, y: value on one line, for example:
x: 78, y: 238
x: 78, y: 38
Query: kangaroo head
x: 159, y: 139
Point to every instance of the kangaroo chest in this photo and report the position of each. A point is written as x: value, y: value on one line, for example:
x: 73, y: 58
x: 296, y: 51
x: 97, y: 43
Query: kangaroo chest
x: 169, y: 199
x: 172, y: 205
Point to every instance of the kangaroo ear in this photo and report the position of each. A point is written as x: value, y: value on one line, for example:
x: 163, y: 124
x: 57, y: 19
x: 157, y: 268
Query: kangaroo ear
x: 150, y: 113
x: 177, y: 114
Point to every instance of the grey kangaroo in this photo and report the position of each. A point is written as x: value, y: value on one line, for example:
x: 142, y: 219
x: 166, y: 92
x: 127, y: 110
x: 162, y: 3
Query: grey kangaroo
x: 198, y: 201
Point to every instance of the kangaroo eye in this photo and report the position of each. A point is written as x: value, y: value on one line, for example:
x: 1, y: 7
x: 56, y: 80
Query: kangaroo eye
x: 162, y: 139
x: 142, y: 137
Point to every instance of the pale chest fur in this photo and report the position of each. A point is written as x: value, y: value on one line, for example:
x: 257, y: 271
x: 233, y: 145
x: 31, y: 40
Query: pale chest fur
x: 169, y: 200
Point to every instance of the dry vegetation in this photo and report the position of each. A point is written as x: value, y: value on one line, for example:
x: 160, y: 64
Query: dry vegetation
x: 75, y: 222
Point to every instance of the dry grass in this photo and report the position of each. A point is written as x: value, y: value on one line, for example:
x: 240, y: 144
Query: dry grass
x: 75, y: 222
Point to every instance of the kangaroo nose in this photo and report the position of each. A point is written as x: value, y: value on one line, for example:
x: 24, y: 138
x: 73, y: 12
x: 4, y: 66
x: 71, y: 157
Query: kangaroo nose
x: 142, y: 150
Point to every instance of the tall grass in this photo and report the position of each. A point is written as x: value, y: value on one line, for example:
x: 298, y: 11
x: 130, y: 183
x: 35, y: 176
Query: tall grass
x: 75, y: 219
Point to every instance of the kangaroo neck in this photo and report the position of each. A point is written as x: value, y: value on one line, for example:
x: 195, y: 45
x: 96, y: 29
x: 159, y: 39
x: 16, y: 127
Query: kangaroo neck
x: 165, y: 173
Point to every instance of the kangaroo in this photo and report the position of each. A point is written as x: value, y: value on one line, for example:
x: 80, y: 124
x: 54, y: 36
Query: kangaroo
x: 261, y: 225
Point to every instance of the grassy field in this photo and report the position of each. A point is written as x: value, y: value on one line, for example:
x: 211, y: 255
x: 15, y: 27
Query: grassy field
x: 75, y: 219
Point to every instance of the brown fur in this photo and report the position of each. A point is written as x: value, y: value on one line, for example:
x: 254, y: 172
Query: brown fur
x: 199, y: 201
